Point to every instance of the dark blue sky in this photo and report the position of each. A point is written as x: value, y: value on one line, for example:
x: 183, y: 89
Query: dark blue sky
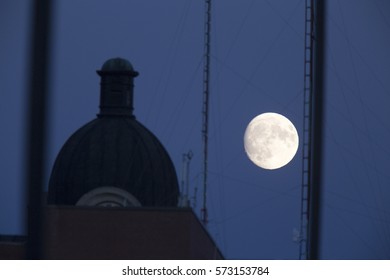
x: 256, y: 67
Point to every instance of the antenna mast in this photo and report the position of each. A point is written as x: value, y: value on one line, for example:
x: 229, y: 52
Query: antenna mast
x: 307, y: 129
x: 185, y: 180
x: 315, y: 53
x: 205, y: 110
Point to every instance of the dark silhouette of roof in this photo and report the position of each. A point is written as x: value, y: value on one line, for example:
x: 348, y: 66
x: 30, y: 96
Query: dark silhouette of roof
x: 118, y: 64
x: 138, y: 233
x: 114, y: 150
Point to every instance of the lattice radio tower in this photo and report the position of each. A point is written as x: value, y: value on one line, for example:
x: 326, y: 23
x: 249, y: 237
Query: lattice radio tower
x: 307, y: 129
x: 205, y: 110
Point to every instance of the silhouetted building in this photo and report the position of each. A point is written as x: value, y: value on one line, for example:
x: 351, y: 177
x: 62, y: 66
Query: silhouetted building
x: 113, y: 190
x: 114, y: 159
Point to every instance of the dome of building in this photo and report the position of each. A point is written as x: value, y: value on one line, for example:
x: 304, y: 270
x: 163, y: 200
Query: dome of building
x: 114, y: 160
x: 117, y: 64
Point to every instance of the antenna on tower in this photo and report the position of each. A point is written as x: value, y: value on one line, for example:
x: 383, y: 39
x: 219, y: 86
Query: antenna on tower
x: 184, y: 185
x: 205, y: 110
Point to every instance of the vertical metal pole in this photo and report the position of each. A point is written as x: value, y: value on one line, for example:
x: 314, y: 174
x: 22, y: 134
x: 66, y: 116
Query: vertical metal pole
x: 318, y: 114
x: 307, y: 129
x: 36, y: 125
x: 187, y: 185
x: 205, y: 111
x: 185, y: 180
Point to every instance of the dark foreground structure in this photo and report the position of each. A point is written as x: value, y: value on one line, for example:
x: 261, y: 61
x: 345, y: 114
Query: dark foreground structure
x: 113, y: 191
x: 118, y: 233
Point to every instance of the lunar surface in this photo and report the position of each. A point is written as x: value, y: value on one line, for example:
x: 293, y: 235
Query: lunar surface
x: 271, y: 141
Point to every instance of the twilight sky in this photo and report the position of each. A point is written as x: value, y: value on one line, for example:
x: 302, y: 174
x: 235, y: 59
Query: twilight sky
x: 256, y: 67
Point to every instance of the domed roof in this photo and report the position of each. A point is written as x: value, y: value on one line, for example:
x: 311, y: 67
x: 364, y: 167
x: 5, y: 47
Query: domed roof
x: 114, y: 152
x: 117, y: 64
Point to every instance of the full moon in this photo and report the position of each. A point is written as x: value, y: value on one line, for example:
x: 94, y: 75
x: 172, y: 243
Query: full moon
x: 271, y: 140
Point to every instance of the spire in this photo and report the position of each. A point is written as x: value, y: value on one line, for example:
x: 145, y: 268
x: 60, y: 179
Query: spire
x: 116, y: 88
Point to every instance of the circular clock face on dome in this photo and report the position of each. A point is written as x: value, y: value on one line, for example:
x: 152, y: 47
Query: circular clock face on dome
x: 108, y: 197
